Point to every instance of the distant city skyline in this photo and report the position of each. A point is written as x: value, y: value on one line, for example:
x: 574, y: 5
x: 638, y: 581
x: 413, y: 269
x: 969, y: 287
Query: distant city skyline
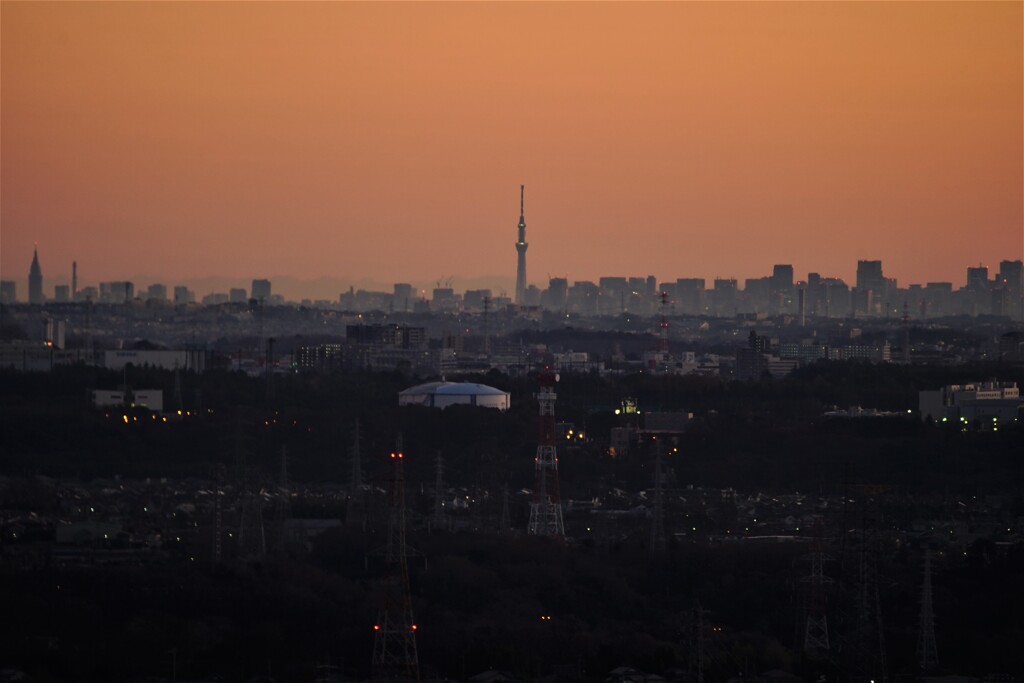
x: 329, y: 288
x: 364, y: 142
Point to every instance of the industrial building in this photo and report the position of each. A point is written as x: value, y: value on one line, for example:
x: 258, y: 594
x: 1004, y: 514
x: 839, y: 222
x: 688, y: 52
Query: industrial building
x: 984, y: 401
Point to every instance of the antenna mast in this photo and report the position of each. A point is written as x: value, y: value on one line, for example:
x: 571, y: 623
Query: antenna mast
x: 546, y: 508
x: 394, y: 643
x: 521, y: 247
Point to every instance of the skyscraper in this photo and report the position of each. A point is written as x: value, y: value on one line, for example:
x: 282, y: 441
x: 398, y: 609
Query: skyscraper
x: 8, y: 291
x: 782, y: 288
x: 556, y: 296
x: 261, y: 290
x: 977, y: 278
x: 402, y: 298
x: 183, y: 295
x: 157, y: 292
x: 871, y: 287
x: 1011, y: 275
x: 1011, y: 278
x: 521, y: 246
x: 869, y: 276
x: 35, y: 280
x: 976, y: 295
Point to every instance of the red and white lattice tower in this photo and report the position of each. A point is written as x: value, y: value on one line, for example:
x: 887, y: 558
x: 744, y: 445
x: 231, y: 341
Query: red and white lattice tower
x: 546, y: 506
x: 395, y: 657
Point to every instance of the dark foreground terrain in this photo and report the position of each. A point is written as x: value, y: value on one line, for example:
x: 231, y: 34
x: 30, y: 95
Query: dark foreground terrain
x: 121, y: 559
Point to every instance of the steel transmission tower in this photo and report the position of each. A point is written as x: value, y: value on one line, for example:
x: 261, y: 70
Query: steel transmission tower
x: 283, y: 504
x: 816, y: 640
x: 505, y: 521
x: 927, y: 652
x: 664, y: 322
x: 439, y: 521
x: 546, y: 507
x: 356, y: 482
x: 663, y: 333
x: 356, y: 512
x: 700, y: 643
x: 864, y: 653
x: 270, y: 368
x: 905, y: 333
x: 252, y: 542
x: 487, y: 327
x: 178, y: 402
x: 394, y: 644
x: 218, y: 529
x: 658, y: 519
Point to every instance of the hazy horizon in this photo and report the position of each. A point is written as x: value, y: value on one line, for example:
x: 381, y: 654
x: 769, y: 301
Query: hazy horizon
x: 328, y: 287
x: 383, y: 142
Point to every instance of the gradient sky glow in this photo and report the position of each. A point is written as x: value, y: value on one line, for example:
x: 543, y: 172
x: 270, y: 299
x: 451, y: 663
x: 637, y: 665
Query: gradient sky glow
x: 388, y: 140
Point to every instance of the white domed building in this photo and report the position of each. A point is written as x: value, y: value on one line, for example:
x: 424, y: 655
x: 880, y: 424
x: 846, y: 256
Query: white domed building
x: 444, y: 394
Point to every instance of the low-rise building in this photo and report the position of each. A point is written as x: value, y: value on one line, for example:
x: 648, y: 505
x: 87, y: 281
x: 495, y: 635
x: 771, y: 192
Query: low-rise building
x: 988, y: 402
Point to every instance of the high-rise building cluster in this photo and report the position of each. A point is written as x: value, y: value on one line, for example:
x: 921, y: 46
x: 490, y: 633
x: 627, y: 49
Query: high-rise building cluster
x: 123, y: 291
x: 873, y: 295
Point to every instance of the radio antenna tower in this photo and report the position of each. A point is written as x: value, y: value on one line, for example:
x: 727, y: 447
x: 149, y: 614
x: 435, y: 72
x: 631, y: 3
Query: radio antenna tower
x: 394, y: 643
x: 546, y: 507
x: 658, y: 519
x: 927, y: 652
x: 521, y: 247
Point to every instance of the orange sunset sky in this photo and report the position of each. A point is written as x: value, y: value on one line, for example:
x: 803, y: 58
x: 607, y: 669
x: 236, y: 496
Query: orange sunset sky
x: 387, y: 141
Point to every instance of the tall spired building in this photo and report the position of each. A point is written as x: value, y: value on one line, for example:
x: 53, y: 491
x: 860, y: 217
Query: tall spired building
x: 521, y: 249
x: 35, y: 280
